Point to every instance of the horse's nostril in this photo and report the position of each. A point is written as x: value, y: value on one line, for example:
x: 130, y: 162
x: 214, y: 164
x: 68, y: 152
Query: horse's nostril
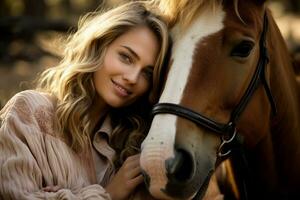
x: 180, y: 168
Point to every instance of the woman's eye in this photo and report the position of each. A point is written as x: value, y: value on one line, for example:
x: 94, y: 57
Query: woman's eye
x: 243, y: 49
x: 148, y: 73
x: 125, y: 58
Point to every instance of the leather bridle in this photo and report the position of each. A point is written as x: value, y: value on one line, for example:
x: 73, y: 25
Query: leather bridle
x: 227, y: 131
x: 229, y: 138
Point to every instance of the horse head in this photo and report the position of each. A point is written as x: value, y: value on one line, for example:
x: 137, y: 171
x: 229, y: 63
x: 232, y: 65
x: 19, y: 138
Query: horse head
x: 217, y: 93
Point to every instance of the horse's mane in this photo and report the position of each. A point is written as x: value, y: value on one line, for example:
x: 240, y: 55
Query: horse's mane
x: 183, y: 12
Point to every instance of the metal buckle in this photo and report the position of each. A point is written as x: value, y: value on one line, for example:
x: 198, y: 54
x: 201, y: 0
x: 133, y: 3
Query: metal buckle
x: 226, y: 142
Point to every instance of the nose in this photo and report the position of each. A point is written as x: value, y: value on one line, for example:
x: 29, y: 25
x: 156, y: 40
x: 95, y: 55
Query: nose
x: 132, y: 75
x: 181, y: 167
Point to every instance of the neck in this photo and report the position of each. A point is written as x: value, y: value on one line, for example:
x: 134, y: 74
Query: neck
x: 285, y: 128
x: 276, y: 158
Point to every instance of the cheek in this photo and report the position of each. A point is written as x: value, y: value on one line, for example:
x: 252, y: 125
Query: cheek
x: 144, y: 87
x: 112, y: 64
x: 98, y: 75
x: 97, y: 80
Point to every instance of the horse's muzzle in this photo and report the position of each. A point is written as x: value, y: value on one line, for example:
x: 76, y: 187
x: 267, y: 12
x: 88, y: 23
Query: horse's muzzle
x: 184, y: 178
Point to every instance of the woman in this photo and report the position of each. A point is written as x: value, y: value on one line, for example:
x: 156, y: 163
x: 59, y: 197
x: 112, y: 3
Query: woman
x: 77, y: 136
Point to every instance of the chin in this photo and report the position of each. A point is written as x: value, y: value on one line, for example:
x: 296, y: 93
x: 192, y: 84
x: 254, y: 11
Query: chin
x: 115, y: 104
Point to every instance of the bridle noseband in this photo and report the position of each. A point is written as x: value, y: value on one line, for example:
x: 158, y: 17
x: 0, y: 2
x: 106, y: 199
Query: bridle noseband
x: 227, y: 131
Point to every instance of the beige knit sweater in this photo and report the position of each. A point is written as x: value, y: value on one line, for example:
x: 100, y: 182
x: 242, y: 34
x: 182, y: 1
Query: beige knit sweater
x: 31, y: 157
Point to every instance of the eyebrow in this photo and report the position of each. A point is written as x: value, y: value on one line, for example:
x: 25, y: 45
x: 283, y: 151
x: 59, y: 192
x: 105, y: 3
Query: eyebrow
x: 132, y: 52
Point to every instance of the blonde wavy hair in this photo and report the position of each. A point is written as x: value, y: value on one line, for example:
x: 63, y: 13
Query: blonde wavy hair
x: 71, y: 81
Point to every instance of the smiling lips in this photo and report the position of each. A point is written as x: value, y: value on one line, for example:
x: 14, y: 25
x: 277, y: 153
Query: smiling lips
x: 121, y: 91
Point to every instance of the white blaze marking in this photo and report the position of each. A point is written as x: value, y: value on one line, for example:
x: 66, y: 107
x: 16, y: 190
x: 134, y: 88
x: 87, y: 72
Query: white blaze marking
x: 183, y: 51
x: 163, y: 127
x: 182, y: 54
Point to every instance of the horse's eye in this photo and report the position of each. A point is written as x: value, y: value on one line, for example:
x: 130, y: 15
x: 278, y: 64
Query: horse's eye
x: 243, y: 49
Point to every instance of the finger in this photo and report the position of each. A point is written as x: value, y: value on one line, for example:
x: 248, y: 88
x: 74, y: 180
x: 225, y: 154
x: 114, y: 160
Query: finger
x: 132, y: 162
x: 133, y: 158
x: 136, y: 155
x: 136, y: 181
x: 134, y: 172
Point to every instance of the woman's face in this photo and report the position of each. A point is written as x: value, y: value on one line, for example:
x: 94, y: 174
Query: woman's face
x: 126, y: 73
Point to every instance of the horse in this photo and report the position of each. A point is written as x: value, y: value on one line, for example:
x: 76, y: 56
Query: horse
x: 229, y: 92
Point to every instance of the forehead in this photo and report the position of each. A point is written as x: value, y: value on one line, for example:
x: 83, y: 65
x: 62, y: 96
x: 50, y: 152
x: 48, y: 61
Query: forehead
x: 136, y: 35
x: 185, y: 43
x: 142, y: 41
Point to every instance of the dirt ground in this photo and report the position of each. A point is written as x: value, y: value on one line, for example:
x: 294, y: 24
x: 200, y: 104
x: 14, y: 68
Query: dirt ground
x: 23, y: 60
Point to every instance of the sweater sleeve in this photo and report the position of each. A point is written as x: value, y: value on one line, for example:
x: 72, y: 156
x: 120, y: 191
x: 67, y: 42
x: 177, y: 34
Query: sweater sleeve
x: 21, y: 167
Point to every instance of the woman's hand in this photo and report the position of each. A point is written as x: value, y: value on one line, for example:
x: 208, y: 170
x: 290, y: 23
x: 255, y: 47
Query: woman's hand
x: 126, y: 179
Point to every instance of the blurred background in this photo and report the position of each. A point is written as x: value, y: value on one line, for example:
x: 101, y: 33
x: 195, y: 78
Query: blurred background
x: 30, y: 29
